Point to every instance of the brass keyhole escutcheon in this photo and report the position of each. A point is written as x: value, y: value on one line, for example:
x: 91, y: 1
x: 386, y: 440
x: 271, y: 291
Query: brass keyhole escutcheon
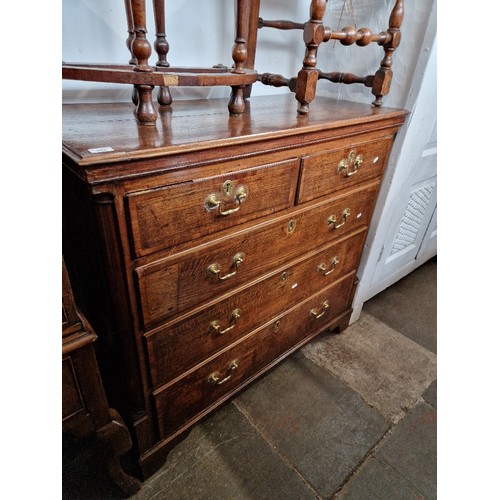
x: 227, y: 188
x: 284, y: 276
x: 277, y: 325
x: 291, y: 226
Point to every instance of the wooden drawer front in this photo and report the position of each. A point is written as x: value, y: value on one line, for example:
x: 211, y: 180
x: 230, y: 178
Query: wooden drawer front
x: 164, y: 217
x: 178, y: 347
x: 327, y: 172
x: 188, y: 397
x: 178, y: 283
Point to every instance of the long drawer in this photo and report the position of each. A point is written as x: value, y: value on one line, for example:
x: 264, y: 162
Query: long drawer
x: 179, y: 346
x: 178, y: 283
x: 163, y: 217
x: 336, y: 169
x: 187, y: 398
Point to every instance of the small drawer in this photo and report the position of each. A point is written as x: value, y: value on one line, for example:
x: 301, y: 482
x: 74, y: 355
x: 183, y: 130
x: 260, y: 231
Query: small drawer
x: 176, y: 284
x: 188, y: 398
x: 330, y: 171
x: 178, y: 347
x: 167, y: 216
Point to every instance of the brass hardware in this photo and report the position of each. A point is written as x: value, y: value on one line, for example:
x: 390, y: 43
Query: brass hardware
x: 215, y: 325
x: 333, y: 264
x: 215, y: 270
x: 215, y: 377
x: 213, y: 202
x: 284, y: 276
x: 318, y: 314
x: 227, y: 188
x: 277, y: 325
x: 332, y: 220
x: 353, y: 162
x: 291, y: 226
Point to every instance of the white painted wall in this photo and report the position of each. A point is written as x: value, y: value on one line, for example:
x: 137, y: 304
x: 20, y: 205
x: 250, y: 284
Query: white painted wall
x: 201, y: 33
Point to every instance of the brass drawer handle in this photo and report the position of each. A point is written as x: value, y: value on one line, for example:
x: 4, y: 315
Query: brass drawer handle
x: 213, y: 202
x: 215, y: 377
x: 215, y: 270
x: 215, y: 325
x: 322, y: 267
x: 351, y: 161
x: 318, y: 314
x: 332, y: 220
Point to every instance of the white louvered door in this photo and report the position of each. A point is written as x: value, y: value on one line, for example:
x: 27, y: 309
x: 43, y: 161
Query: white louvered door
x: 411, y: 236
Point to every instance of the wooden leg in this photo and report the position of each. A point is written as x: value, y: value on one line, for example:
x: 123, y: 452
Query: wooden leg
x: 308, y: 75
x: 146, y: 112
x: 116, y: 437
x: 236, y: 104
x: 161, y: 48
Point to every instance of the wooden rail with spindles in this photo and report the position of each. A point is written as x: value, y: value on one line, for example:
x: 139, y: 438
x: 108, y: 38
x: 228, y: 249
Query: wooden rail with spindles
x: 145, y: 77
x: 314, y: 33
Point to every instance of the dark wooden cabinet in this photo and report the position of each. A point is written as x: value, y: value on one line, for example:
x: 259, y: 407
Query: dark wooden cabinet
x: 85, y: 407
x: 206, y: 249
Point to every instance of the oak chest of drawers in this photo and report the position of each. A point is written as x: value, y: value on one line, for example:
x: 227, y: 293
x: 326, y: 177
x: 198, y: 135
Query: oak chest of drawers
x: 207, y: 248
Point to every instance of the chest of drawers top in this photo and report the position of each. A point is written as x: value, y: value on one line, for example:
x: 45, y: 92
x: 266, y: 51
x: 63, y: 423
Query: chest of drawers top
x: 98, y: 138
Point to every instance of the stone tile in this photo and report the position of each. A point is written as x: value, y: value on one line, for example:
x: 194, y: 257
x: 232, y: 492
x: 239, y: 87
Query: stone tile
x: 430, y: 394
x: 320, y: 426
x: 405, y: 464
x: 411, y: 449
x: 225, y: 458
x: 376, y: 480
x: 386, y: 368
x: 409, y: 306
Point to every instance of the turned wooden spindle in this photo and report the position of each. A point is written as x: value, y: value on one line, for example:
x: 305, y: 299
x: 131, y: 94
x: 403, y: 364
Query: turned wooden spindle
x: 281, y: 24
x: 140, y: 46
x: 277, y: 81
x: 346, y: 78
x: 240, y: 43
x: 252, y: 26
x: 313, y: 36
x: 361, y: 37
x: 161, y: 47
x: 130, y: 38
x: 130, y: 30
x: 383, y: 77
x: 141, y: 51
x: 236, y: 104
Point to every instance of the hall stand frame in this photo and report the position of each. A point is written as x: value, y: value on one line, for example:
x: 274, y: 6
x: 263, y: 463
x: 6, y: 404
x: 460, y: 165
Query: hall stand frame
x: 242, y: 75
x: 315, y: 33
x: 145, y: 77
